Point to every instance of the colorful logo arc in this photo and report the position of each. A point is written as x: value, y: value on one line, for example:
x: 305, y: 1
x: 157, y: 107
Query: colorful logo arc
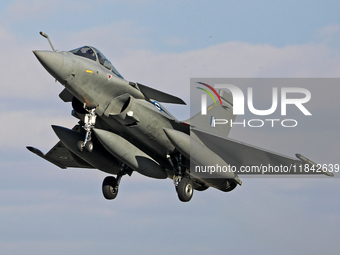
x: 208, y: 92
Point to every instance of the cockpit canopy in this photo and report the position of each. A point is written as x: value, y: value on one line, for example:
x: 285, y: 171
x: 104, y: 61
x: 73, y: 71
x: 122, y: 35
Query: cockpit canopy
x: 95, y: 55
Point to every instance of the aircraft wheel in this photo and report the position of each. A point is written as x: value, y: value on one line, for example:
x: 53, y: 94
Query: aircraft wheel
x: 185, y: 190
x: 110, y: 187
x: 80, y: 146
x: 89, y: 146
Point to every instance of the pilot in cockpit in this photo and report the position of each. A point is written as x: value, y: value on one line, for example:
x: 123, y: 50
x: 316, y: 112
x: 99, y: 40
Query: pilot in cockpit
x: 86, y: 52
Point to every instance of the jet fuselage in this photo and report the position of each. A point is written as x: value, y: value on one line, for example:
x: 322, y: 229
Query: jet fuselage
x: 113, y: 98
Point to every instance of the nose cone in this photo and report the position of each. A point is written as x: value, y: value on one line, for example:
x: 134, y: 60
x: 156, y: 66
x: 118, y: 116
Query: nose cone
x: 53, y: 63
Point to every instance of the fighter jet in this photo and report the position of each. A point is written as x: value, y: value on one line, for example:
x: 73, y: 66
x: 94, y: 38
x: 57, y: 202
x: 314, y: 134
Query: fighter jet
x: 123, y: 128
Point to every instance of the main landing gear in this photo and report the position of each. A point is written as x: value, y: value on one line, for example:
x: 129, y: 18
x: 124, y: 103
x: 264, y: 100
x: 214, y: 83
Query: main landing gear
x: 111, y: 184
x: 110, y: 187
x: 182, y: 182
x: 184, y: 188
x: 90, y: 121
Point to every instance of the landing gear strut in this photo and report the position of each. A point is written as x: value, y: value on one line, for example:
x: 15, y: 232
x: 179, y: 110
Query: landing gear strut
x: 183, y: 184
x: 90, y: 121
x: 111, y: 184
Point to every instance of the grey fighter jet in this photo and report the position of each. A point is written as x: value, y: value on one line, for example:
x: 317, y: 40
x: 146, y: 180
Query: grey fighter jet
x: 122, y: 128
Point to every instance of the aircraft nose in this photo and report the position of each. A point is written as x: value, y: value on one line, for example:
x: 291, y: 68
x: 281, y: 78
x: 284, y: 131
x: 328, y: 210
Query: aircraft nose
x: 52, y: 62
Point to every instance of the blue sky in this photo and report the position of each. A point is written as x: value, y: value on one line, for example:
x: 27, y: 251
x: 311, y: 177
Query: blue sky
x: 195, y: 24
x: 163, y: 44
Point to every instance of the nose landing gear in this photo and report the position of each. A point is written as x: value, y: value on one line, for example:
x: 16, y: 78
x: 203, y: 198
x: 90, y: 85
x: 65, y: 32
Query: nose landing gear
x: 90, y: 121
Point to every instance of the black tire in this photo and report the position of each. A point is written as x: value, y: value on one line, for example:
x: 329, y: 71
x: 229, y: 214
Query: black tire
x: 80, y: 146
x: 110, y: 188
x: 185, y: 190
x: 89, y: 146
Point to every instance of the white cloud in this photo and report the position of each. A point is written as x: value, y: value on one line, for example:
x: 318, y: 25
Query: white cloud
x: 21, y: 75
x: 175, y: 41
x: 329, y: 31
x: 22, y: 128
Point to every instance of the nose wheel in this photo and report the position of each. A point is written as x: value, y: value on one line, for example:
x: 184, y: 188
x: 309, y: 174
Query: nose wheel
x: 88, y: 146
x: 90, y: 121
